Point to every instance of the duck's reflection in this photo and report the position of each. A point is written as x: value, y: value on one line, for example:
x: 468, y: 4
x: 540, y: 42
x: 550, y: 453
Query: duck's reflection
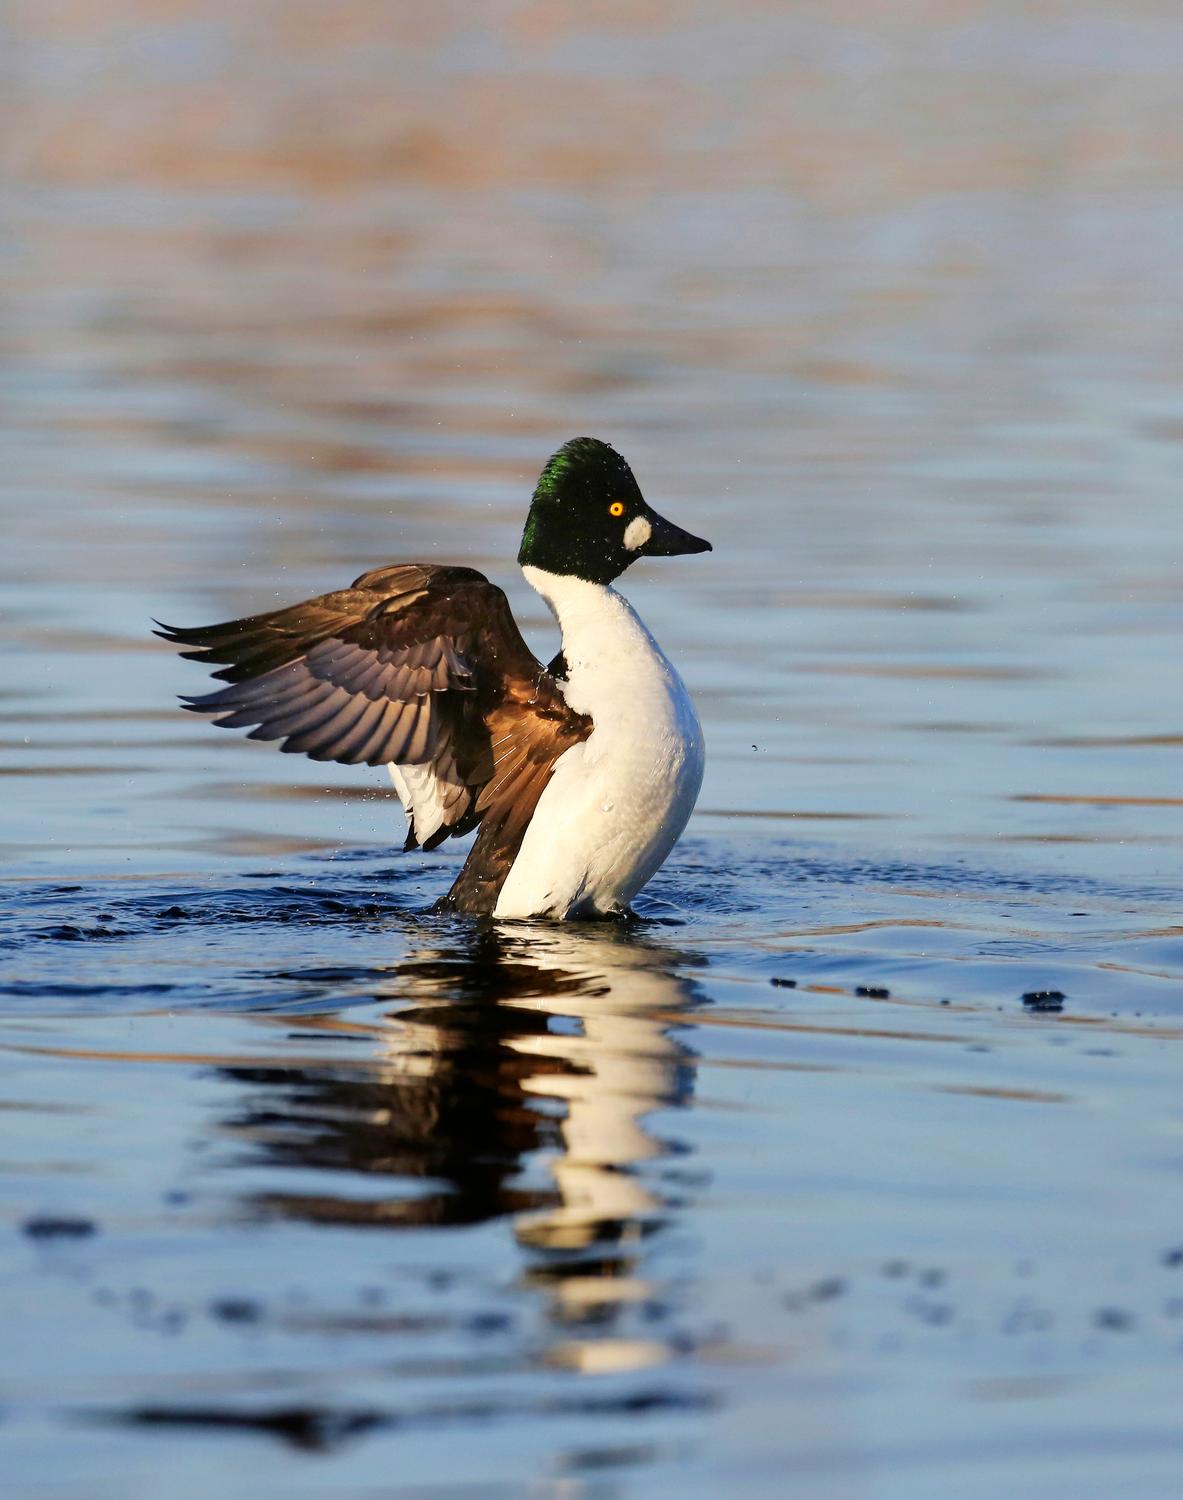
x: 517, y: 1068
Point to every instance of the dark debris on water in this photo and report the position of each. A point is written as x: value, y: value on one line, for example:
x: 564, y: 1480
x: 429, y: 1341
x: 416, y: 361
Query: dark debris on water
x: 1113, y: 1319
x: 1044, y: 1000
x: 59, y: 1227
x: 322, y: 1428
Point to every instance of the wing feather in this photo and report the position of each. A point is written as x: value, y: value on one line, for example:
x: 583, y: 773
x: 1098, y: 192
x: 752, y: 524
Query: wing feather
x: 297, y: 716
x: 351, y: 751
x: 418, y: 667
x: 321, y: 740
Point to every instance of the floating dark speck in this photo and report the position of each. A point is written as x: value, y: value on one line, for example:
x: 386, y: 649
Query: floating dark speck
x: 236, y: 1310
x: 58, y: 1227
x: 312, y: 1428
x: 934, y: 1314
x: 1115, y: 1319
x: 1051, y: 1000
x: 489, y: 1322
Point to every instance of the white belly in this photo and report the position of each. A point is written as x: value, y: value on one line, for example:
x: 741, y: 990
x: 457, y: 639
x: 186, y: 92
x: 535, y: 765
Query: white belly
x: 616, y: 803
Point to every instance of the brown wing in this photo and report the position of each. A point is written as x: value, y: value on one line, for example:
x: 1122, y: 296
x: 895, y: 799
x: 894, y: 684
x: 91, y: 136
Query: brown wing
x: 418, y: 667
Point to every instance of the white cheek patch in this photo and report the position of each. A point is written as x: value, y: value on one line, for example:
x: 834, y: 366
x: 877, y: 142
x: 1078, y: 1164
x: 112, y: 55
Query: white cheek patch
x: 637, y: 533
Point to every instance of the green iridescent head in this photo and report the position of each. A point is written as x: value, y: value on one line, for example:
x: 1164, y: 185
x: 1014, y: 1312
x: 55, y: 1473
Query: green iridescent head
x: 589, y: 520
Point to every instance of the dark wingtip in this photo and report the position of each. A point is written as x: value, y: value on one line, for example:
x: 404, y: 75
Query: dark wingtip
x: 205, y: 637
x: 196, y: 706
x: 177, y: 635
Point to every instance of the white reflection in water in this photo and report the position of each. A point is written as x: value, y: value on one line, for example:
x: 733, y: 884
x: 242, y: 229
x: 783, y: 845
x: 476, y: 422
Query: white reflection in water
x: 517, y: 1076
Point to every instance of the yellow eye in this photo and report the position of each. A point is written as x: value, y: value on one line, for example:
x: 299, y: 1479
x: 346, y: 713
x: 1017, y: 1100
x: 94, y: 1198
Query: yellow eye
x: 616, y: 508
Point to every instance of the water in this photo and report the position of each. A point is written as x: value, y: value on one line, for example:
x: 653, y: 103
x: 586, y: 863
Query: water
x: 306, y: 1191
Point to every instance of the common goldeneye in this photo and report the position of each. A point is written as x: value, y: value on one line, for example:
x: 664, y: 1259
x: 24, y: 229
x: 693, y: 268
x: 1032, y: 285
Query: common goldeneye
x: 579, y: 776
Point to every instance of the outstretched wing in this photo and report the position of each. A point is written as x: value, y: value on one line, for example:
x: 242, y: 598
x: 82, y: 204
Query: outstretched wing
x: 420, y: 668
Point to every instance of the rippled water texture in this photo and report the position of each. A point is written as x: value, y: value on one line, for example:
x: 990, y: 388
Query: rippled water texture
x: 786, y: 1188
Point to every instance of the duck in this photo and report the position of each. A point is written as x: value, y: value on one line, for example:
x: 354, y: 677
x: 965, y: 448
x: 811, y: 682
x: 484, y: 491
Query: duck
x: 578, y: 777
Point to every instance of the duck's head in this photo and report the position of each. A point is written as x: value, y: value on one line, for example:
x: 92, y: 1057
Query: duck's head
x: 589, y: 520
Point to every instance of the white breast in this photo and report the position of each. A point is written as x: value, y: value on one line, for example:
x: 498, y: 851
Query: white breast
x: 616, y: 803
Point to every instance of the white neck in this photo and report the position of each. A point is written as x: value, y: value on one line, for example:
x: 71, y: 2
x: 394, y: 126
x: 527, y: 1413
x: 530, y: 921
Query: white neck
x: 590, y: 615
x: 610, y: 654
x: 568, y: 596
